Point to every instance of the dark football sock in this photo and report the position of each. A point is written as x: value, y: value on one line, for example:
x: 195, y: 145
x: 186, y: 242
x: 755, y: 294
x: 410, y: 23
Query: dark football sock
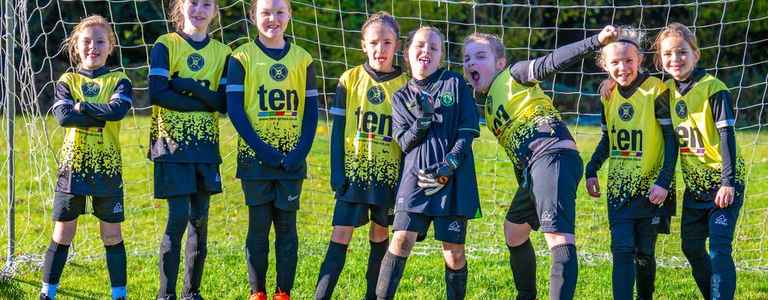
x: 378, y: 250
x: 623, y: 273
x: 701, y: 268
x: 564, y: 272
x: 330, y: 270
x: 197, y: 243
x: 257, y: 245
x: 392, y: 268
x: 116, y: 264
x: 522, y: 261
x: 55, y: 258
x: 645, y: 271
x: 170, y: 247
x: 456, y: 283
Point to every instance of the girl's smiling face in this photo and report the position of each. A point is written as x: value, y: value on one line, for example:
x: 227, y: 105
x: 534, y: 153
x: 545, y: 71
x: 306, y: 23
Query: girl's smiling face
x: 481, y: 65
x: 93, y: 47
x: 677, y: 57
x: 272, y: 17
x: 622, y: 62
x: 379, y: 44
x: 198, y: 14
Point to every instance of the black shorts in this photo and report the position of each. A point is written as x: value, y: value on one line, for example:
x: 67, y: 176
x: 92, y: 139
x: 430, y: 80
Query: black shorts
x: 548, y: 200
x: 67, y: 207
x: 178, y: 179
x: 630, y: 235
x: 451, y: 229
x: 717, y: 224
x: 358, y: 214
x: 284, y: 193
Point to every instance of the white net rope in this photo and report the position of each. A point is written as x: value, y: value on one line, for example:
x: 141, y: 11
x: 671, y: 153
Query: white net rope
x: 329, y: 30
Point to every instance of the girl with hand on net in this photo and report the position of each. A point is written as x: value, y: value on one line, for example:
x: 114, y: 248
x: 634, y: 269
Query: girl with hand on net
x: 546, y: 162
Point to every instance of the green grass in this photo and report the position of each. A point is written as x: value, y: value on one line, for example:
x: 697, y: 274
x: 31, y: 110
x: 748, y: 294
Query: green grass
x: 85, y: 275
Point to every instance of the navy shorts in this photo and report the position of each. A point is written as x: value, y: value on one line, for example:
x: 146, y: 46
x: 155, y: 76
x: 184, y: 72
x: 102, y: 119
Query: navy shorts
x: 358, y: 214
x: 284, y: 193
x: 546, y: 198
x: 451, y: 229
x: 717, y: 224
x: 178, y: 179
x: 67, y: 207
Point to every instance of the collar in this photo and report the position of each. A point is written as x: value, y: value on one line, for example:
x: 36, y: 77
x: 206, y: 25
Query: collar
x: 432, y: 78
x: 93, y: 73
x: 628, y: 91
x: 683, y: 86
x: 274, y: 53
x: 382, y: 76
x: 194, y: 44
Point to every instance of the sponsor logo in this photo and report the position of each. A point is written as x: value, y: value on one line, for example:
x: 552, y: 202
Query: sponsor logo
x: 292, y: 198
x: 626, y: 111
x: 375, y: 95
x: 118, y: 208
x: 547, y: 216
x: 90, y: 89
x: 454, y: 226
x: 681, y: 109
x: 655, y: 220
x: 721, y: 220
x: 278, y: 72
x: 195, y: 62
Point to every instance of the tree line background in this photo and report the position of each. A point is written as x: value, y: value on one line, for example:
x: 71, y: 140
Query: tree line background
x: 730, y: 34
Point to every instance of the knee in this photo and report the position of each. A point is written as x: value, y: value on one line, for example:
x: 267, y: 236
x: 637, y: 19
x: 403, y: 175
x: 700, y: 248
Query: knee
x: 378, y: 233
x: 455, y: 257
x: 720, y: 249
x: 64, y: 232
x: 342, y: 234
x: 645, y: 259
x: 402, y: 243
x: 177, y: 222
x: 111, y: 238
x: 516, y: 234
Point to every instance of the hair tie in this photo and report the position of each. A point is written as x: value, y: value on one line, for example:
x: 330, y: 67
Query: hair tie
x: 630, y: 42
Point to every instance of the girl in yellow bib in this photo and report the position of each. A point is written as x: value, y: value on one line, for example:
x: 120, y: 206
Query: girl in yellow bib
x: 272, y: 103
x: 90, y: 104
x: 702, y: 113
x: 186, y: 87
x: 640, y: 145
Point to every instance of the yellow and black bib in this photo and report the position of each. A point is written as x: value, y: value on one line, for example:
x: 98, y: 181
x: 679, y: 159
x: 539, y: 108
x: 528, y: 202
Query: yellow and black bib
x: 188, y: 131
x: 274, y: 94
x: 636, y: 140
x: 92, y: 150
x: 371, y: 153
x: 699, y: 138
x: 512, y: 112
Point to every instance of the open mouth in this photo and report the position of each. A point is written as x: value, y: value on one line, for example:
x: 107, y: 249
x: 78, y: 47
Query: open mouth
x: 475, y: 75
x: 425, y: 61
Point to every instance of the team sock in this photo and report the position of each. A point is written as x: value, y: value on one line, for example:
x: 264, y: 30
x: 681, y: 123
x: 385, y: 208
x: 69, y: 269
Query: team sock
x: 645, y: 272
x: 257, y: 245
x: 522, y: 261
x: 330, y: 270
x: 286, y: 249
x: 378, y: 250
x: 392, y: 268
x: 564, y: 272
x: 723, y: 270
x: 456, y: 283
x: 116, y: 264
x: 623, y: 273
x: 195, y: 253
x: 55, y: 259
x: 170, y: 247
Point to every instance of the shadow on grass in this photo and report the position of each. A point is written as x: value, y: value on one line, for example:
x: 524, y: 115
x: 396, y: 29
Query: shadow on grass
x: 14, y: 289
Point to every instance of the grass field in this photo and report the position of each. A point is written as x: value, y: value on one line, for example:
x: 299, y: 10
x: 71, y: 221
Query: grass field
x: 85, y: 275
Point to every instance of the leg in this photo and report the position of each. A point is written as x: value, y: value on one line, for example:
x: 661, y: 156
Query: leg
x: 56, y: 256
x: 722, y: 224
x: 197, y: 242
x: 645, y: 258
x: 556, y: 208
x: 170, y: 247
x: 333, y: 263
x: 257, y: 245
x: 455, y: 270
x: 623, y: 251
x: 112, y: 237
x: 522, y: 259
x: 286, y: 248
x: 694, y: 232
x: 393, y: 263
x: 378, y: 236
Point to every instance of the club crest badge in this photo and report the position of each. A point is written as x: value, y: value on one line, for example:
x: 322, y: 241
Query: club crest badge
x: 195, y: 62
x: 375, y: 95
x: 626, y: 111
x: 278, y: 72
x: 91, y: 89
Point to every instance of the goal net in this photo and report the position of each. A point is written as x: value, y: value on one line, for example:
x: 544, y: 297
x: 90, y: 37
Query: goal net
x: 730, y: 33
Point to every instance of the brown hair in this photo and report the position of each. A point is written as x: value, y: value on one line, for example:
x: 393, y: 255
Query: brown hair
x: 412, y: 34
x: 177, y: 13
x: 384, y: 18
x: 627, y: 36
x: 494, y: 42
x: 254, y: 6
x: 674, y: 30
x: 95, y: 20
